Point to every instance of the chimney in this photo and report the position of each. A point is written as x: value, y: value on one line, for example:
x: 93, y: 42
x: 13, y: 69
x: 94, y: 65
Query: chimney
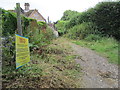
x: 27, y: 5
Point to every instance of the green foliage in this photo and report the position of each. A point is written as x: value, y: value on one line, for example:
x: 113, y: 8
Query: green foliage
x: 105, y: 16
x: 37, y: 38
x: 92, y: 37
x: 40, y: 39
x: 105, y: 46
x: 42, y: 24
x: 25, y: 22
x: 39, y: 73
x: 68, y: 14
x: 9, y: 23
x: 61, y: 27
x: 79, y: 19
x: 8, y: 53
x: 83, y: 30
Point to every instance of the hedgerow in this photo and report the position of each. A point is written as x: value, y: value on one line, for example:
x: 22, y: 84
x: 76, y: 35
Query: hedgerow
x: 105, y: 15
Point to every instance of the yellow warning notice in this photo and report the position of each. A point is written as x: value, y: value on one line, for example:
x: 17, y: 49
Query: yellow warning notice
x: 22, y: 51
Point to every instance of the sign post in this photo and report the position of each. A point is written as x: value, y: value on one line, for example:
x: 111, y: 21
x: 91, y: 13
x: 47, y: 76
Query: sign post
x: 22, y: 43
x: 19, y: 26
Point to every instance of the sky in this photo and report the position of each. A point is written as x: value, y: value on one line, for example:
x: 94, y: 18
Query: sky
x: 52, y: 8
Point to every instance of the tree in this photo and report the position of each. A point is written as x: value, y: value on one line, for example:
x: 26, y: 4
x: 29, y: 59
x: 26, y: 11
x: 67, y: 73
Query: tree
x: 68, y: 14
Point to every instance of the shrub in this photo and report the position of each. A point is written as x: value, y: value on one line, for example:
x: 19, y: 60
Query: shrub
x: 92, y: 37
x: 106, y: 18
x: 61, y: 27
x: 8, y: 53
x: 42, y: 24
x: 105, y: 15
x: 68, y: 14
x: 40, y: 39
x: 9, y: 23
x: 83, y: 30
x: 80, y: 18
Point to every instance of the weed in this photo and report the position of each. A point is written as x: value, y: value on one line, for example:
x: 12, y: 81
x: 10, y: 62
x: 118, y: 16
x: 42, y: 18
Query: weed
x: 54, y: 68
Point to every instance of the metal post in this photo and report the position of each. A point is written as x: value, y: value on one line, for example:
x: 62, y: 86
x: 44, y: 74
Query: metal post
x: 19, y: 26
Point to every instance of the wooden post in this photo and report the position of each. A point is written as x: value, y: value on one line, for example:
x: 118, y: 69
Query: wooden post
x: 19, y: 26
x: 1, y: 50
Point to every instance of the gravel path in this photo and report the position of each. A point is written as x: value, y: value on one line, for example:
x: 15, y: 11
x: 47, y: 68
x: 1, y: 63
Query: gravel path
x: 97, y: 72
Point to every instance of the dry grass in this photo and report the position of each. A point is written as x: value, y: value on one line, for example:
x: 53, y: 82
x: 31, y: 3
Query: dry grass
x: 55, y: 68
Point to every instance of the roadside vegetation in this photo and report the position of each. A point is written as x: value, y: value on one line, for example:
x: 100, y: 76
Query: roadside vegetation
x: 107, y: 47
x: 96, y: 28
x: 52, y: 65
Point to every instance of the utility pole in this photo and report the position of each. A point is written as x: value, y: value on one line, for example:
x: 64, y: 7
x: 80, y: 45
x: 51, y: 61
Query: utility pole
x: 48, y: 20
x: 19, y: 26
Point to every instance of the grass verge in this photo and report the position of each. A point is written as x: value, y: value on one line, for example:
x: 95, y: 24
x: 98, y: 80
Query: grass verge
x: 107, y: 47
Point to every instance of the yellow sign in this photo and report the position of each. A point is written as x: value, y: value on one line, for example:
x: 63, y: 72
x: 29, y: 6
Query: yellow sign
x: 22, y: 51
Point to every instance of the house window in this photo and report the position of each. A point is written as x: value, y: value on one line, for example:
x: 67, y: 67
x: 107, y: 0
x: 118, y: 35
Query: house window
x: 36, y: 15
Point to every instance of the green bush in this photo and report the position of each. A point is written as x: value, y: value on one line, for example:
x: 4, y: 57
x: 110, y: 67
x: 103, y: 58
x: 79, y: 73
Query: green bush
x: 105, y: 15
x: 106, y: 18
x: 42, y: 24
x: 61, y: 27
x: 25, y: 22
x: 8, y: 53
x: 86, y: 16
x: 40, y: 39
x: 68, y: 14
x: 9, y: 23
x: 93, y: 37
x: 83, y: 30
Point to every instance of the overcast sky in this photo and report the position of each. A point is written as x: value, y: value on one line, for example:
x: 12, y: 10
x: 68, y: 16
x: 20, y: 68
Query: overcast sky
x: 52, y: 8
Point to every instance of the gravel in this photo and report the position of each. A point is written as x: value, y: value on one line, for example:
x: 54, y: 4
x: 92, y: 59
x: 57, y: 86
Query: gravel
x: 97, y: 71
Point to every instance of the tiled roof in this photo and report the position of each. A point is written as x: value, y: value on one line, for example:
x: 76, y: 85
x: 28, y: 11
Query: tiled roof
x: 28, y: 13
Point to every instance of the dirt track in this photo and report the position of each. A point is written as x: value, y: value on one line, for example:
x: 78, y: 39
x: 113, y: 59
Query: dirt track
x: 97, y: 72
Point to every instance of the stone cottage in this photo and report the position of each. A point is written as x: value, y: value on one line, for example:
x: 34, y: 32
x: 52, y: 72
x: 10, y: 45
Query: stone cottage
x: 31, y: 13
